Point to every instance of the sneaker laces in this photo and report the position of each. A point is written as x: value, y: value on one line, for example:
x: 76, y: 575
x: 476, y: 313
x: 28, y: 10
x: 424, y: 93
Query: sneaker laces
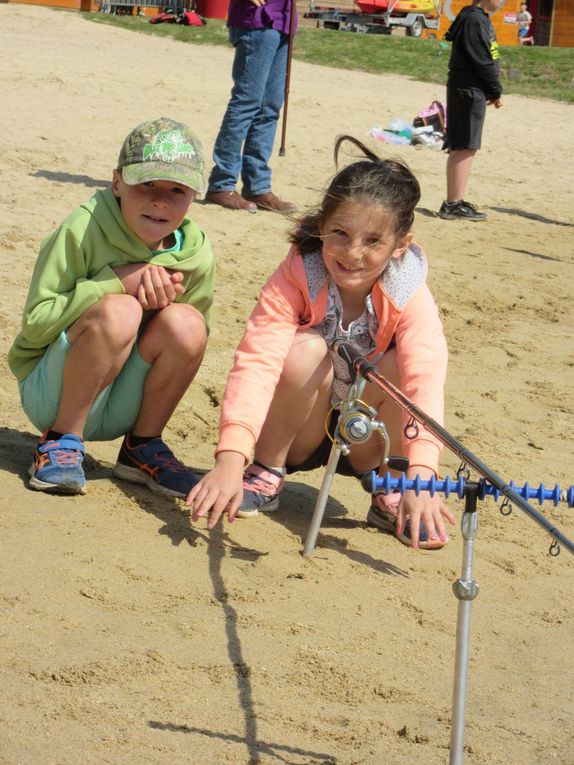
x: 165, y: 459
x: 66, y: 457
x: 60, y: 455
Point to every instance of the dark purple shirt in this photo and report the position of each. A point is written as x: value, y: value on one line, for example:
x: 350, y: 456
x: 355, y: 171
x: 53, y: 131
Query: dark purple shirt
x: 275, y: 14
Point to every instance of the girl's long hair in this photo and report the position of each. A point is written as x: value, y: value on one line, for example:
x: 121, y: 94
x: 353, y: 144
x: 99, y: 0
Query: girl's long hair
x: 372, y: 181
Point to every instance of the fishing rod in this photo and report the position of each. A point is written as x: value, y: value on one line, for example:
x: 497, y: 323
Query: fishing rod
x: 357, y: 422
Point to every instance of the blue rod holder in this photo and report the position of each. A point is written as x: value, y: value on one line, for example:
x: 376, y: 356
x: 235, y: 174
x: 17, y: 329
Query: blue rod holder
x: 447, y: 486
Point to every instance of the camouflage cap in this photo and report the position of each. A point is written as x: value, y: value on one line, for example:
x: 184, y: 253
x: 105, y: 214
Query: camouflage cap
x: 162, y: 150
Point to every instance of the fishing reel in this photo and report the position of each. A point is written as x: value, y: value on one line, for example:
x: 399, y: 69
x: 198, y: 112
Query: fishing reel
x: 357, y: 424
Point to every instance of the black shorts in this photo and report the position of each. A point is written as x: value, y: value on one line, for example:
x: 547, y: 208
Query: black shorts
x: 465, y: 113
x: 320, y: 456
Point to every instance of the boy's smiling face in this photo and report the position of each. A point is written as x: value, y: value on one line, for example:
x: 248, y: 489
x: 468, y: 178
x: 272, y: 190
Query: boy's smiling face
x: 153, y: 210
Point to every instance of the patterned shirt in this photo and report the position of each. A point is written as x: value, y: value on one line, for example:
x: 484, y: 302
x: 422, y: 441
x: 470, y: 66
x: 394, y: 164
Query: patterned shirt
x: 361, y: 332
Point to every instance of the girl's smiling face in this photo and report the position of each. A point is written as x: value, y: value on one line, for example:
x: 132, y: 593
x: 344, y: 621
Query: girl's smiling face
x: 152, y: 210
x: 358, y: 242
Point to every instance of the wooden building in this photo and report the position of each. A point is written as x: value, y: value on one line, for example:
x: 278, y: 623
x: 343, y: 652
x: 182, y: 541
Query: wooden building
x: 552, y: 21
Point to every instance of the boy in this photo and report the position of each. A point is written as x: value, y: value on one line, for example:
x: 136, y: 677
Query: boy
x: 115, y: 323
x: 524, y: 20
x: 473, y: 82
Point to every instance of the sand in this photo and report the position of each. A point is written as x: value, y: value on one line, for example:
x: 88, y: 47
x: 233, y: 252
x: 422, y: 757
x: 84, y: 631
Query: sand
x: 131, y: 635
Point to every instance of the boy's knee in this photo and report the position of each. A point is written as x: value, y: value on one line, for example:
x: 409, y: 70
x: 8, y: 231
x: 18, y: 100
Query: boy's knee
x: 115, y: 316
x: 121, y: 311
x: 181, y: 325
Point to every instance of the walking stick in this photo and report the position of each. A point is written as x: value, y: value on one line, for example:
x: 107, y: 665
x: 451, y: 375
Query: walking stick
x: 288, y: 75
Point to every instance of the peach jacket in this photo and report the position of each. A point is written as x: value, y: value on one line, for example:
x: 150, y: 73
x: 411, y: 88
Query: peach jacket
x: 294, y: 299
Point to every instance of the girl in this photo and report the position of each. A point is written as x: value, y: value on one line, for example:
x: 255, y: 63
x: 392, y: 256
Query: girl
x: 353, y: 273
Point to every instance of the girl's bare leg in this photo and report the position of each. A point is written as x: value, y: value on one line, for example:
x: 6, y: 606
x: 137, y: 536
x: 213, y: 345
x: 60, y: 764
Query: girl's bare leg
x: 295, y: 423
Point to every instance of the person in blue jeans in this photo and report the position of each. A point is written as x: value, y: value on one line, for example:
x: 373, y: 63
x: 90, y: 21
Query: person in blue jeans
x: 259, y: 31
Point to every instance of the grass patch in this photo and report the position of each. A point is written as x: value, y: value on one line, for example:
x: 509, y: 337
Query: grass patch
x: 538, y: 72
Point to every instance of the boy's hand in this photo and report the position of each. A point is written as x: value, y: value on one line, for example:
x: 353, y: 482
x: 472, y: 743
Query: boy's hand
x: 220, y: 491
x: 159, y: 287
x: 153, y: 290
x: 496, y: 102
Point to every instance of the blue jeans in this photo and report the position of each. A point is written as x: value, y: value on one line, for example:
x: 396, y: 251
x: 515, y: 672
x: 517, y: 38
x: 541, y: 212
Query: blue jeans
x: 245, y: 140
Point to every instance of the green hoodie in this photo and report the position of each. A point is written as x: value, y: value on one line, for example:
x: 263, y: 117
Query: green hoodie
x: 74, y: 270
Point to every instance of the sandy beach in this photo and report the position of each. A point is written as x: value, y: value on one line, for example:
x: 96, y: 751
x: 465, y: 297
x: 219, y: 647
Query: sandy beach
x: 130, y: 635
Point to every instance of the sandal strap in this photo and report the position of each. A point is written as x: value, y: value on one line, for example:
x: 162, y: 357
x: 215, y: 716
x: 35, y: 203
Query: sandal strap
x: 387, y: 503
x: 263, y: 480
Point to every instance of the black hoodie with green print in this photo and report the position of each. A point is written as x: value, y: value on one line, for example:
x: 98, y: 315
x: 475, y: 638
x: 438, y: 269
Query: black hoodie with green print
x: 474, y: 55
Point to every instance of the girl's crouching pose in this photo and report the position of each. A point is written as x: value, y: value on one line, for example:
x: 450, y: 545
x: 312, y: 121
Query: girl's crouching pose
x: 353, y: 274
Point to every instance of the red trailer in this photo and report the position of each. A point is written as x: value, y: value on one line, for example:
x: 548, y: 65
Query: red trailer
x: 379, y: 16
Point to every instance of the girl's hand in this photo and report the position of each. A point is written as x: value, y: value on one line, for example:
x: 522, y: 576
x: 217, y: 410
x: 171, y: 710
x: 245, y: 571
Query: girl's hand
x: 220, y: 491
x: 430, y: 511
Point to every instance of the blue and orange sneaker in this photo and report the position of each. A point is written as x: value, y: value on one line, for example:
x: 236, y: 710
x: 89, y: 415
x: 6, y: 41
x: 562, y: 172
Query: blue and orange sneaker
x: 154, y: 465
x: 57, y: 466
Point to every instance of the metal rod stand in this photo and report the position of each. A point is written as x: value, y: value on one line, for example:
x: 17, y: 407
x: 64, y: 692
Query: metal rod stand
x: 322, y: 498
x: 339, y: 447
x: 465, y: 589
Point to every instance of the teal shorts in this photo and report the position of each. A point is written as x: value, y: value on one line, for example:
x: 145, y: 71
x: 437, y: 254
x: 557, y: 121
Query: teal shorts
x: 114, y: 411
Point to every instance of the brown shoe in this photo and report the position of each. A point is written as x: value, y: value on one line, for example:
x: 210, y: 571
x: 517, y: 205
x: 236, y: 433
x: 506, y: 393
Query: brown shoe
x: 231, y: 200
x: 269, y: 201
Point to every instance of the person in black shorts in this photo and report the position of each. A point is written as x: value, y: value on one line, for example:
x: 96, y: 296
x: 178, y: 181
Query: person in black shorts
x: 473, y: 83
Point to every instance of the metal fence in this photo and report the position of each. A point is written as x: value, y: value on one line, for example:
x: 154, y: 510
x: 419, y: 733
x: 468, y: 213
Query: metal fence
x: 120, y: 7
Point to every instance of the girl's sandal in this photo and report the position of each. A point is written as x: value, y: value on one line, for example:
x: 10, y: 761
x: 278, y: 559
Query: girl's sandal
x: 383, y: 515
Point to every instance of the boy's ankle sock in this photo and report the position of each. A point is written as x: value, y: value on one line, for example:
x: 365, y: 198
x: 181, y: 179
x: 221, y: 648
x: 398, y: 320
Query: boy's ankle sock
x: 53, y: 435
x: 132, y: 442
x: 139, y: 440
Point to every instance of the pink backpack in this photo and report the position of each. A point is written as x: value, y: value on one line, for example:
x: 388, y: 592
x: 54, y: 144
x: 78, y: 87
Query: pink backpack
x: 433, y: 115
